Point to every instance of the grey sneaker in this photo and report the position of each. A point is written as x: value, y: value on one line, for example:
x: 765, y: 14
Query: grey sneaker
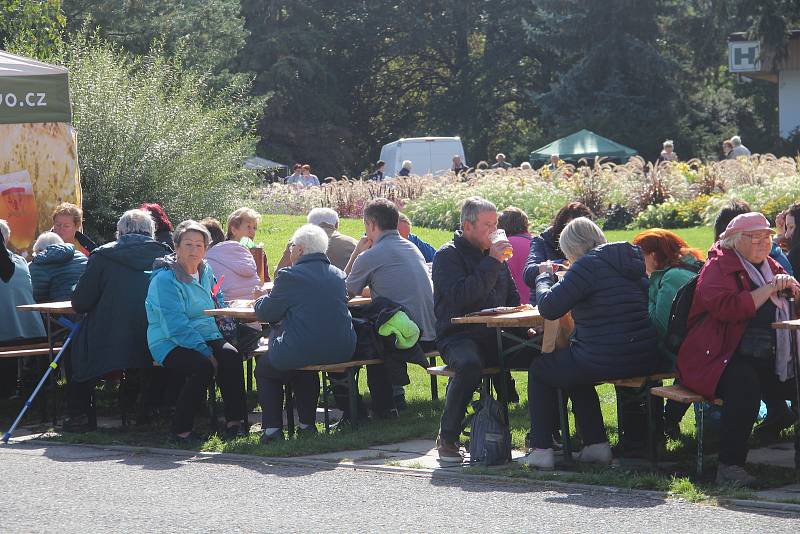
x: 543, y: 459
x: 734, y: 475
x: 598, y: 453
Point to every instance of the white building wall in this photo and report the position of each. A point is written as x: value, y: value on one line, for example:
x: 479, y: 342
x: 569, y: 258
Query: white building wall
x: 789, y: 101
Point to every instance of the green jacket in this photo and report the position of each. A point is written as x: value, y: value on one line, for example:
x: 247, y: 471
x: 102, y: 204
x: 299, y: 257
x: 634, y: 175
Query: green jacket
x: 664, y: 284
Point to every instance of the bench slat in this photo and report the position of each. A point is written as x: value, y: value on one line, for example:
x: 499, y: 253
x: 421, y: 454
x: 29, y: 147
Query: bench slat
x: 638, y: 381
x: 443, y: 370
x: 681, y: 394
x: 27, y: 352
x: 340, y: 367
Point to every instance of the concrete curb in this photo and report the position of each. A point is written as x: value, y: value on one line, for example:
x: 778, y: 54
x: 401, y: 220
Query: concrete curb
x: 419, y: 472
x: 762, y: 505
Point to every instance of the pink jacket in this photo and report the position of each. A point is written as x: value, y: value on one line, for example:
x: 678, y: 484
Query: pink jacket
x: 233, y: 260
x: 521, y: 244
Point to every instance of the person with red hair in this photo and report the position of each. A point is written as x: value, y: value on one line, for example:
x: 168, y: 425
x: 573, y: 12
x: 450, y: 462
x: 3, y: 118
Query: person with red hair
x: 163, y: 225
x: 670, y: 263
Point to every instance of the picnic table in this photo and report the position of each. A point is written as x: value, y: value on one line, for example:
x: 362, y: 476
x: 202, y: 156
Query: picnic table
x: 244, y: 311
x: 794, y: 326
x: 522, y: 317
x: 49, y: 309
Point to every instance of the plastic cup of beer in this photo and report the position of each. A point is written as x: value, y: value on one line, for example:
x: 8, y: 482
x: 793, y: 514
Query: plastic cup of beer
x: 500, y: 235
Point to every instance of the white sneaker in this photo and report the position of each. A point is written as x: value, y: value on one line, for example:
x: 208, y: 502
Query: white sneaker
x: 599, y: 453
x: 543, y: 459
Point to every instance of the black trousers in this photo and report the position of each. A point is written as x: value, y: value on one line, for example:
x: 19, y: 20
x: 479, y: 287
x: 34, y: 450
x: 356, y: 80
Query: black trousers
x: 467, y: 357
x: 561, y: 370
x: 380, y: 390
x: 633, y: 417
x: 199, y: 371
x: 270, y: 381
x: 742, y: 385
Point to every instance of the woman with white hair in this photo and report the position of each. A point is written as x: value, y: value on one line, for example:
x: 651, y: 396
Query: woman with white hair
x: 606, y: 290
x: 111, y: 293
x: 183, y: 338
x: 406, y: 169
x: 55, y: 269
x: 309, y: 301
x: 668, y: 151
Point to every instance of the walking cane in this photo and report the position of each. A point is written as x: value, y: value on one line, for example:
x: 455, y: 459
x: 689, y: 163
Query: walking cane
x: 796, y: 365
x: 74, y: 327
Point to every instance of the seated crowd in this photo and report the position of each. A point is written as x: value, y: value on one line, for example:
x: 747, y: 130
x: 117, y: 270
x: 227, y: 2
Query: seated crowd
x: 142, y: 299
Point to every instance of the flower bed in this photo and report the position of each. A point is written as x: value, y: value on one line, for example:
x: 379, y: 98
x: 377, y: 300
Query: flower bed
x: 671, y: 195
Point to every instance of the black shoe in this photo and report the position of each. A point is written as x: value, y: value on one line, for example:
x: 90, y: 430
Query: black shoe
x: 308, y: 432
x: 78, y: 424
x: 388, y: 414
x: 773, y: 425
x: 273, y: 437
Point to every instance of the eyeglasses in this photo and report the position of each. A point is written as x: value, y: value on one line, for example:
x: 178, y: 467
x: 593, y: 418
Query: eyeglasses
x: 757, y: 238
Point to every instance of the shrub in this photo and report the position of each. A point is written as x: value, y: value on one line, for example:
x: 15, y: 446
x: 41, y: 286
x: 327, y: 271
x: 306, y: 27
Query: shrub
x: 440, y: 206
x: 347, y: 197
x: 617, y: 217
x: 674, y: 214
x: 148, y: 130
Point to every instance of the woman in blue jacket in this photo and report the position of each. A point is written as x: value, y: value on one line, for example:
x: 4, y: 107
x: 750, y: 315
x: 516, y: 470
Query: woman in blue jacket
x: 605, y: 289
x: 311, y: 326
x: 545, y: 246
x: 182, y: 337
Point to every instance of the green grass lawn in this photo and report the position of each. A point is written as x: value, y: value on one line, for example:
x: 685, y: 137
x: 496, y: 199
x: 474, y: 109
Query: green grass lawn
x: 275, y: 230
x: 421, y: 419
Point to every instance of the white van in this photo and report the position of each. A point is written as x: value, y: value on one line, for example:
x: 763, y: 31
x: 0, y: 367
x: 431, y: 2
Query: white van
x: 428, y: 155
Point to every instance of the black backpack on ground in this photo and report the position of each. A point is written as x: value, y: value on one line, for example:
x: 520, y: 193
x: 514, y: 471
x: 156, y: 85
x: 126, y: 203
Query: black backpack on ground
x: 489, y: 437
x: 677, y: 326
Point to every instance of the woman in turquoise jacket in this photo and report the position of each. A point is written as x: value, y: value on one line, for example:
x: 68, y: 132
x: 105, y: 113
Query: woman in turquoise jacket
x: 182, y: 337
x: 670, y: 264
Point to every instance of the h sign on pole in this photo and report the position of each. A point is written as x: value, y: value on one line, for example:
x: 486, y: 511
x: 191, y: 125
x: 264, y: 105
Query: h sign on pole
x: 744, y: 56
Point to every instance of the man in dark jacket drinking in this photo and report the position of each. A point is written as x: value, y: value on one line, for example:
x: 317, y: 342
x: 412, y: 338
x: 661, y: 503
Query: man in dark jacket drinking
x: 469, y: 274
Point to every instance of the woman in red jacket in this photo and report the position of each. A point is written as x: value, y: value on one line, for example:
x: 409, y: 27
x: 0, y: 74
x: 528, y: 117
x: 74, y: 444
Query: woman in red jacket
x: 731, y: 351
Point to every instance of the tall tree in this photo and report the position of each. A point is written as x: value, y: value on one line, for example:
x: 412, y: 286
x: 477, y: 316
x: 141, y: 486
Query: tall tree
x: 614, y: 79
x: 209, y: 33
x: 32, y: 27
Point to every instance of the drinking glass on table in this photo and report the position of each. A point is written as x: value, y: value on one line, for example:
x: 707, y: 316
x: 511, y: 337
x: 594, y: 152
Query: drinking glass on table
x: 500, y: 235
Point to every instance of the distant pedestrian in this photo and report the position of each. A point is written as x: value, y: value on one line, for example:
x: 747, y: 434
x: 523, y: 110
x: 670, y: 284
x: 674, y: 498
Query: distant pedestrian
x: 738, y: 148
x: 726, y: 149
x: 555, y: 163
x: 406, y: 170
x: 458, y: 166
x: 378, y: 176
x: 668, y: 152
x: 500, y: 162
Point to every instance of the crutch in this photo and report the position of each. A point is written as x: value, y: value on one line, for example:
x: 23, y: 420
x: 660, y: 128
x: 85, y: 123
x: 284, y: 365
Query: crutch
x: 74, y: 327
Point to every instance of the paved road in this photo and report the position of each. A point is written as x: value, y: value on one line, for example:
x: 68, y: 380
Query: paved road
x: 79, y: 489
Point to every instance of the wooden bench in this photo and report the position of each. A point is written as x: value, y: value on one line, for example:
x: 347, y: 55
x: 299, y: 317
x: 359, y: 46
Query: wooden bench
x: 643, y: 383
x: 349, y: 368
x: 685, y: 395
x: 486, y: 374
x: 23, y: 351
x: 444, y: 370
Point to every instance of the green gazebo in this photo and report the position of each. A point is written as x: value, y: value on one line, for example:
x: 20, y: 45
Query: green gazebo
x: 582, y: 144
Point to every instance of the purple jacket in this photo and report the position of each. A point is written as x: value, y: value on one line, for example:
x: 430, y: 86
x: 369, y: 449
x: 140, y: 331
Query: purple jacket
x: 233, y: 260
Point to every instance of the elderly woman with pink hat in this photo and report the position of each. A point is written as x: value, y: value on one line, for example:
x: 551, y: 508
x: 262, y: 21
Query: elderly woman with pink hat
x: 731, y: 351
